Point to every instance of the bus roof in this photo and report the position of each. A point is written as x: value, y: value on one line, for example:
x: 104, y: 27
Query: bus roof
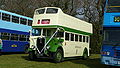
x: 3, y: 11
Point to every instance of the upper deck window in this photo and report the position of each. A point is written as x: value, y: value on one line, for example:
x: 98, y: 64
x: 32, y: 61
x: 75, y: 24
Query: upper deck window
x: 29, y: 22
x: 113, y: 6
x: 5, y: 17
x: 23, y: 21
x: 41, y: 11
x: 15, y: 19
x: 52, y: 10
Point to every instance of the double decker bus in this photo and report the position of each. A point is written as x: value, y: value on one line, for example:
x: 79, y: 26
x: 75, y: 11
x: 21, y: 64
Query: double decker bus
x: 110, y: 52
x: 57, y: 35
x: 14, y: 31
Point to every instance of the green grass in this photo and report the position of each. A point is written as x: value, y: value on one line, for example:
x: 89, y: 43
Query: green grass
x: 21, y: 61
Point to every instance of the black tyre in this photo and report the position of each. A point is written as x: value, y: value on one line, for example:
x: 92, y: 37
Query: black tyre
x: 32, y: 55
x: 85, y: 54
x: 26, y: 48
x: 58, y: 56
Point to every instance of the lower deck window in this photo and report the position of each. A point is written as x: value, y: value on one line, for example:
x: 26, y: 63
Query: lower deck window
x: 15, y: 37
x: 22, y: 38
x: 66, y: 36
x: 76, y: 37
x: 5, y: 36
x: 80, y: 38
x: 83, y: 38
x: 72, y: 37
x: 87, y: 39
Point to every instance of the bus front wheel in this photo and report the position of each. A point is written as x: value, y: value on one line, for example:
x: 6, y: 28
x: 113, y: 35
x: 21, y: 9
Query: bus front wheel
x: 58, y: 56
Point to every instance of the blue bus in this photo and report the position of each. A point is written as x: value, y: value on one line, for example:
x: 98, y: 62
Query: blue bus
x: 14, y: 31
x: 110, y: 52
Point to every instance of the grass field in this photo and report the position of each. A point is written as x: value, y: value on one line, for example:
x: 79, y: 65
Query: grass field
x: 21, y: 61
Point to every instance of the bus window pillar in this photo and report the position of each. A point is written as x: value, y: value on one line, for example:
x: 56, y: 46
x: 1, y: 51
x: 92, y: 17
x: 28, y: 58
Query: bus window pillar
x: 19, y: 20
x: 1, y: 16
x: 10, y: 37
x: 41, y: 32
x: 10, y: 18
x: 27, y: 22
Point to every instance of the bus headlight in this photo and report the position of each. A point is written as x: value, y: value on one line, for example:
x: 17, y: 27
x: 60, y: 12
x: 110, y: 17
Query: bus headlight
x: 108, y: 53
x: 48, y: 47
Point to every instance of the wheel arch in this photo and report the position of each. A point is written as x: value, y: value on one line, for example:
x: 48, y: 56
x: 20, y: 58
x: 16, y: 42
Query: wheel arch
x: 85, y: 50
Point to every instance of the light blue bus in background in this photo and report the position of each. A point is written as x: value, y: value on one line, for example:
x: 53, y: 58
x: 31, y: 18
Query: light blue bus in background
x: 110, y: 52
x: 14, y: 31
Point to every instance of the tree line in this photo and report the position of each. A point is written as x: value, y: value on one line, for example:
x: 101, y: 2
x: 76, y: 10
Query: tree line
x: 88, y: 10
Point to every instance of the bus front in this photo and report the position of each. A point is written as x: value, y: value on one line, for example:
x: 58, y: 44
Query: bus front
x: 110, y: 52
x: 46, y: 37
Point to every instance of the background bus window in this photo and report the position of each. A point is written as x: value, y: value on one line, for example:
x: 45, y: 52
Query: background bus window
x: 52, y: 10
x: 83, y: 38
x: 80, y: 38
x: 5, y: 17
x: 29, y: 22
x: 22, y: 37
x: 111, y: 7
x: 76, y: 37
x: 5, y: 36
x: 14, y: 37
x: 23, y: 21
x: 41, y: 11
x: 15, y: 19
x: 72, y: 37
x: 67, y: 36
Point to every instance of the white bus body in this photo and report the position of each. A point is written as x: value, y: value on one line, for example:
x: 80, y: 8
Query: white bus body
x: 76, y: 33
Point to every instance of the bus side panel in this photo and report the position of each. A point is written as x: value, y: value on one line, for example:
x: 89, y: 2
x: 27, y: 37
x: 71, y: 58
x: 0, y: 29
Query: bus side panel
x: 13, y: 46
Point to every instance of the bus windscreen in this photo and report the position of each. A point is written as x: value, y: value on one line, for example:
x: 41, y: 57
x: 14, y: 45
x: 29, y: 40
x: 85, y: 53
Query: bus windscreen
x: 112, y: 36
x: 51, y: 10
x: 41, y: 11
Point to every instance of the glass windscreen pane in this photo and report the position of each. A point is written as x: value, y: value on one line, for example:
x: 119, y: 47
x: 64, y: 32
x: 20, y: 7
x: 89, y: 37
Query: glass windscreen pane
x: 48, y: 32
x: 112, y: 36
x: 52, y: 10
x: 41, y: 11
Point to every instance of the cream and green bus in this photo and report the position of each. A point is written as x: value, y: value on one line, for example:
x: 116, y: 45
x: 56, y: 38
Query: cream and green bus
x: 57, y: 35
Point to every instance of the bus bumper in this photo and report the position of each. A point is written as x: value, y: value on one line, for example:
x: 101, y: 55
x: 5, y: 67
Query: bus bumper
x: 110, y: 61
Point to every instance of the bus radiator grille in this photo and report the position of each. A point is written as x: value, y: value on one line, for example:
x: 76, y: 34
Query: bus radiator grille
x: 40, y: 43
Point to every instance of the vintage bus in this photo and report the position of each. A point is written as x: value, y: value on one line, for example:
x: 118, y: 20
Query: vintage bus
x: 110, y: 52
x: 57, y: 35
x: 14, y: 31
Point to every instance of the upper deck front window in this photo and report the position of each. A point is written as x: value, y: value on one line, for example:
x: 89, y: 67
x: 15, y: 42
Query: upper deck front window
x: 51, y: 10
x: 113, y: 6
x: 41, y: 11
